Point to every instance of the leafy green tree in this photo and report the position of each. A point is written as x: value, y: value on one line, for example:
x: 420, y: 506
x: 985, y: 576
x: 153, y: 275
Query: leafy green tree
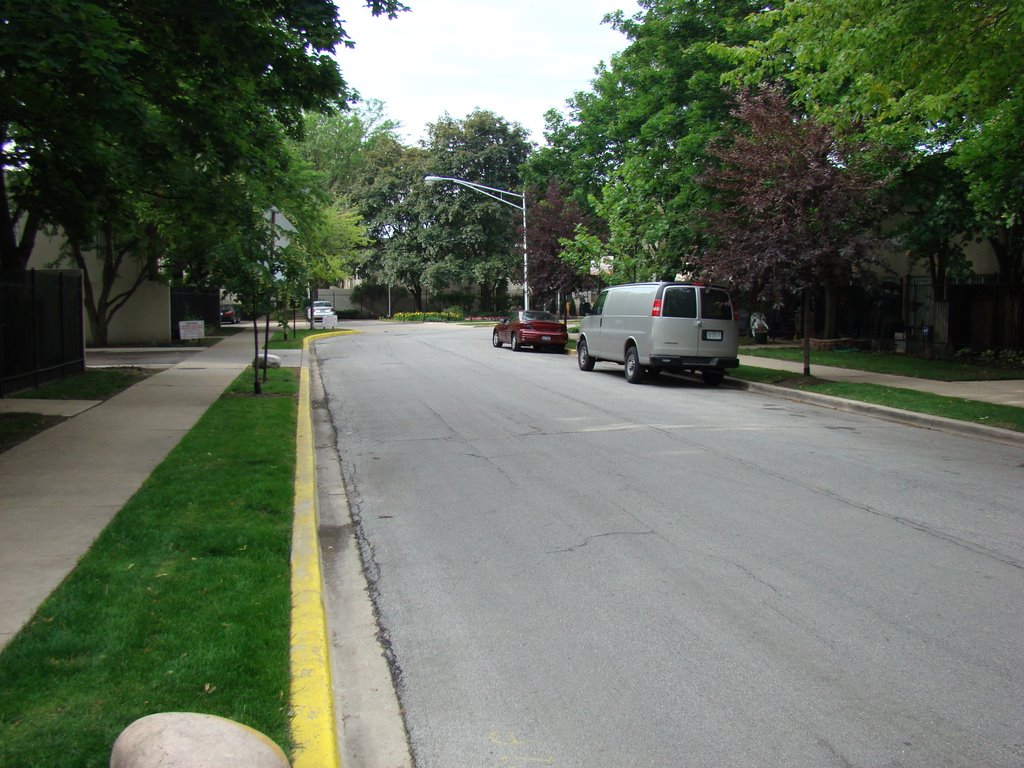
x: 473, y: 238
x: 93, y: 89
x: 635, y: 144
x: 922, y: 76
x: 141, y: 132
x: 394, y: 202
x: 336, y: 144
x: 934, y: 215
x: 584, y: 252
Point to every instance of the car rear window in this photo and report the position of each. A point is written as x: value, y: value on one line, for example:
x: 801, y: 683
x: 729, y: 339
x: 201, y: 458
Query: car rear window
x: 536, y: 315
x: 715, y: 304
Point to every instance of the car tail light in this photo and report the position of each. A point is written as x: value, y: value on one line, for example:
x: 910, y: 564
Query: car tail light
x: 656, y: 309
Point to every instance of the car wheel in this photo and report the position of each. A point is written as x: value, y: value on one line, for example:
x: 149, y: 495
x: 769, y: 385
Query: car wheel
x: 634, y: 371
x: 713, y: 378
x: 583, y: 358
x: 495, y: 341
x: 516, y: 346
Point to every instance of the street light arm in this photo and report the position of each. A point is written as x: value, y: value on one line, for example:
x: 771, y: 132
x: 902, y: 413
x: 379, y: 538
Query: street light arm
x: 492, y: 192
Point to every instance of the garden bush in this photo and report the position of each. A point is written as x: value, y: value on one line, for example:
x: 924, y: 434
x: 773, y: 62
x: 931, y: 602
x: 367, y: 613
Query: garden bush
x: 448, y: 315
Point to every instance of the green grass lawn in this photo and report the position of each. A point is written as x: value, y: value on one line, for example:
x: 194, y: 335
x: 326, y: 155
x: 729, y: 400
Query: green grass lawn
x: 17, y: 427
x: 91, y: 384
x: 182, y: 604
x: 992, y: 414
x: 887, y: 362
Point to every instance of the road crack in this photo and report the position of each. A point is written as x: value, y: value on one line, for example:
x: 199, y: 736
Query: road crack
x: 589, y: 539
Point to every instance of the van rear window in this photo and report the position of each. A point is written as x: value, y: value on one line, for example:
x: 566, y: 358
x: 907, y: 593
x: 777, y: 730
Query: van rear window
x: 679, y: 302
x: 715, y: 304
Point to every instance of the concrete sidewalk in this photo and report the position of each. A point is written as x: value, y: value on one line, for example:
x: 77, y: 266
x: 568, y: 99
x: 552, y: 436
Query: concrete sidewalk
x: 62, y: 486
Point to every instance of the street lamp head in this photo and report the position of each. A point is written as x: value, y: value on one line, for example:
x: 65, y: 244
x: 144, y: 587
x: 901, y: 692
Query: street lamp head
x: 431, y: 179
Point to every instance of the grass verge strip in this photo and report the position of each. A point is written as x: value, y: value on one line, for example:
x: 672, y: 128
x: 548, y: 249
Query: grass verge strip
x: 18, y: 427
x: 181, y: 604
x: 887, y: 362
x: 90, y: 384
x: 298, y: 337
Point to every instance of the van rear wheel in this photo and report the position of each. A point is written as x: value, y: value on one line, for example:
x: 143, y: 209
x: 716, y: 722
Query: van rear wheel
x: 634, y: 371
x: 713, y: 378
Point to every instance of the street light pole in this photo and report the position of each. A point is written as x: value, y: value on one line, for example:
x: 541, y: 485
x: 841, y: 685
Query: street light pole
x: 499, y: 195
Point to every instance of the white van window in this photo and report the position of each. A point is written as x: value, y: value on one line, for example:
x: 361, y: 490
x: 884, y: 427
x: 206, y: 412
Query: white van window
x: 715, y: 304
x: 599, y: 304
x: 679, y: 302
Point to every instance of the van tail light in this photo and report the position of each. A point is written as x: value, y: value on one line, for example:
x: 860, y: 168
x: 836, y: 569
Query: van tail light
x: 656, y: 309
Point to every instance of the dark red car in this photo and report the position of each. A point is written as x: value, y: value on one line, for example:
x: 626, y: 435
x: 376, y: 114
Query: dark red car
x: 530, y: 328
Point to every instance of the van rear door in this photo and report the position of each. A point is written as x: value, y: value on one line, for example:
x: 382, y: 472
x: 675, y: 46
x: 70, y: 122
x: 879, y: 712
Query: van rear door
x: 676, y: 329
x: 719, y: 333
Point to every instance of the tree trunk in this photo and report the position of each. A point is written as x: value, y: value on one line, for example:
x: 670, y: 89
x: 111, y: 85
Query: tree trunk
x: 486, y: 297
x: 806, y: 311
x: 101, y: 303
x: 257, y: 389
x: 831, y: 330
x: 1008, y: 245
x: 14, y: 252
x: 95, y: 306
x: 266, y: 345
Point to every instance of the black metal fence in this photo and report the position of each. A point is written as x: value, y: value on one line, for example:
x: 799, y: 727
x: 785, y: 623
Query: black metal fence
x: 194, y: 304
x: 987, y: 316
x: 41, y: 332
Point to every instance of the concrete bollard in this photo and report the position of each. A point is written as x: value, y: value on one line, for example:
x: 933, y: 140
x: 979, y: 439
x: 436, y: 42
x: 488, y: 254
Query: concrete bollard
x: 192, y: 740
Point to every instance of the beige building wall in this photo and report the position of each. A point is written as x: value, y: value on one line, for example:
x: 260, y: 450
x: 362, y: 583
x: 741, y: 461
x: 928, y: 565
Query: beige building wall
x: 146, y: 318
x: 982, y: 257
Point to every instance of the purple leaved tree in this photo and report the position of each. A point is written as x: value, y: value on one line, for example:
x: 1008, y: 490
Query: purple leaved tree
x: 794, y: 210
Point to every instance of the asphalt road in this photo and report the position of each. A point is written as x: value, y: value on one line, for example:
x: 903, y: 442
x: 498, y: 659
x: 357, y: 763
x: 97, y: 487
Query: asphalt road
x: 573, y: 571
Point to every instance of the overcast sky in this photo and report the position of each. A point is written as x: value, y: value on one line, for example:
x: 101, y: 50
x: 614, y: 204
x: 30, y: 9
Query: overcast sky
x: 516, y: 58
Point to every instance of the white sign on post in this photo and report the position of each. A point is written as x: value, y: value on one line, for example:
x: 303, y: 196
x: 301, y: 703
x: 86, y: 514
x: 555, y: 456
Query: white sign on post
x: 191, y: 329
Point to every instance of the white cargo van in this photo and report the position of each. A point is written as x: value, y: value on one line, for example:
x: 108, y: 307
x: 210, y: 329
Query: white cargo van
x: 650, y: 327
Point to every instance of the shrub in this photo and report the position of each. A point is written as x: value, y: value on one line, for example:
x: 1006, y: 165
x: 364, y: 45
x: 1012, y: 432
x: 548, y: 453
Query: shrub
x: 437, y: 317
x: 994, y: 358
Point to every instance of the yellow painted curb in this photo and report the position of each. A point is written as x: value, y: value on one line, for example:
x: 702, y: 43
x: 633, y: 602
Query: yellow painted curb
x: 313, y: 726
